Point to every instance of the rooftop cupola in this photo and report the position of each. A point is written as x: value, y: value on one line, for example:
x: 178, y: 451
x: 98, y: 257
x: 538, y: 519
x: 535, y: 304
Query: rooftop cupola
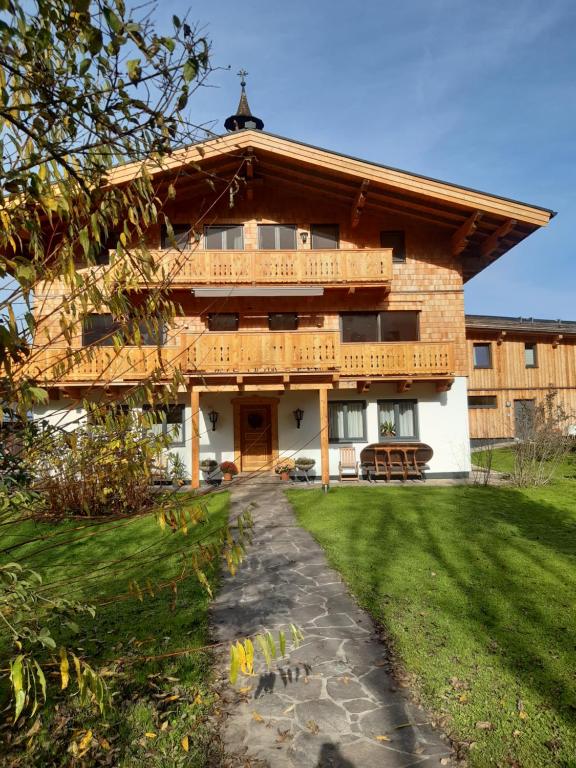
x: 243, y: 117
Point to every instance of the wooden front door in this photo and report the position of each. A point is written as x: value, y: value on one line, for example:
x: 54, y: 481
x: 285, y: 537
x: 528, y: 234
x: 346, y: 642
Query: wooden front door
x: 255, y: 437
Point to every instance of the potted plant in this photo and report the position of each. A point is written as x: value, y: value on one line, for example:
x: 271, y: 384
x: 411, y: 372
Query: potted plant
x: 211, y: 471
x: 284, y: 467
x: 304, y: 464
x: 228, y: 469
x: 387, y: 429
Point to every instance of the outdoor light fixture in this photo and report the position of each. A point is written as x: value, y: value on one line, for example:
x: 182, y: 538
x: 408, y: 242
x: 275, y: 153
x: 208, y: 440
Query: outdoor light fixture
x: 304, y: 237
x: 213, y: 416
x: 298, y: 415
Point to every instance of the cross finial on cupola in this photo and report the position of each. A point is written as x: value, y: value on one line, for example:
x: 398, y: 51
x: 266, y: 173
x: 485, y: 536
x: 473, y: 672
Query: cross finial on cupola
x: 243, y: 117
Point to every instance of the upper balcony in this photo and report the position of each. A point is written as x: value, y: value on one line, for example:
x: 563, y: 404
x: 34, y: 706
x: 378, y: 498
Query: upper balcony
x: 262, y: 355
x: 327, y: 268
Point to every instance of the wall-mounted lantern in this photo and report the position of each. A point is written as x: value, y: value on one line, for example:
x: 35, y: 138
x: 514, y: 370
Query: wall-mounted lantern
x: 213, y: 416
x: 304, y: 237
x: 298, y: 415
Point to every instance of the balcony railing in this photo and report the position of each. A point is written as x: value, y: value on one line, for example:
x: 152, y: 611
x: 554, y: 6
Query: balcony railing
x: 240, y: 353
x: 325, y: 267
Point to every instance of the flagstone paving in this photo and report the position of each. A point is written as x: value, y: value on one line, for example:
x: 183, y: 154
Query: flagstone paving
x: 333, y: 701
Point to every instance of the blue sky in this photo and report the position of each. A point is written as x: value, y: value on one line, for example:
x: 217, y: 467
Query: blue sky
x: 477, y: 93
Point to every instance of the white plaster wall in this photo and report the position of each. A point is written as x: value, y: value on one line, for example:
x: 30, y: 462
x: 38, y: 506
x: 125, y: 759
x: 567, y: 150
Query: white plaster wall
x: 65, y: 414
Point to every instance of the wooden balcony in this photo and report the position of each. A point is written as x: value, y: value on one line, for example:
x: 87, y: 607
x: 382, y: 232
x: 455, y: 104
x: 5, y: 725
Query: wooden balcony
x: 248, y: 353
x: 305, y: 267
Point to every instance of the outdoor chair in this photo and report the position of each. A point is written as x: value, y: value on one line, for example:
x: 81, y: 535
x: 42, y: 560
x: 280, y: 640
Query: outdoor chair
x: 348, y: 467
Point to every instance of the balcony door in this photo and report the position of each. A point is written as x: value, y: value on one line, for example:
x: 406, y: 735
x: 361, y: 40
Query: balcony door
x: 256, y: 433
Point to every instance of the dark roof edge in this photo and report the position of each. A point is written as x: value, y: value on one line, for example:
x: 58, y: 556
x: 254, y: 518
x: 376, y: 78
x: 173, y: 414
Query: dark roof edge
x: 410, y: 173
x: 524, y: 324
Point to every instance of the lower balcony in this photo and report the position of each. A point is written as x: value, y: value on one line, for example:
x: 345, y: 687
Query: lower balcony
x: 266, y: 354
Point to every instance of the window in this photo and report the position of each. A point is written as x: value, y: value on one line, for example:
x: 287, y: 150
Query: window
x: 99, y: 329
x: 180, y: 239
x: 394, y: 239
x: 228, y: 237
x: 151, y: 334
x: 530, y: 356
x: 324, y: 236
x: 482, y: 356
x: 277, y: 237
x: 97, y: 413
x: 283, y: 321
x: 347, y: 421
x: 380, y: 326
x: 482, y: 401
x: 223, y: 321
x: 397, y: 419
x: 167, y: 420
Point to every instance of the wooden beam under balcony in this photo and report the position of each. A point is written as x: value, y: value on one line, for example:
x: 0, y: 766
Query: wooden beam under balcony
x: 359, y: 203
x: 464, y: 232
x: 493, y: 241
x: 404, y: 385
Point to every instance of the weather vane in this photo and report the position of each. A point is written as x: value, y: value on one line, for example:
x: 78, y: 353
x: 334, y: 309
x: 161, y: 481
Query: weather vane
x: 242, y: 75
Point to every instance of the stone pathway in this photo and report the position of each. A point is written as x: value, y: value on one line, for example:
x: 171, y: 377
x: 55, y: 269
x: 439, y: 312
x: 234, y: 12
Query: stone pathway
x: 332, y: 702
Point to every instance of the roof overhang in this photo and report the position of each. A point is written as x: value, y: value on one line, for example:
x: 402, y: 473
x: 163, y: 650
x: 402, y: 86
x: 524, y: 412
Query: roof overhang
x: 480, y: 227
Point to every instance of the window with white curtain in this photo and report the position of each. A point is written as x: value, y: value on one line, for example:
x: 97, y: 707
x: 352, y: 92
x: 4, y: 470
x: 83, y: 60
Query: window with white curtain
x: 401, y: 415
x: 347, y: 421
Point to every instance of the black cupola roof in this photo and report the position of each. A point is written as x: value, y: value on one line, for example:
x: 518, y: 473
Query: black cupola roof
x: 243, y: 117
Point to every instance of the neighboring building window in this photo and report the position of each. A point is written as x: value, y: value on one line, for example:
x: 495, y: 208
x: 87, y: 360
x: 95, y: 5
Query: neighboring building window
x: 324, y: 236
x: 402, y: 415
x: 380, y: 326
x: 228, y: 237
x: 530, y: 356
x: 482, y: 401
x: 273, y: 237
x: 180, y: 239
x: 99, y: 329
x: 283, y: 321
x: 394, y: 239
x: 347, y: 421
x: 151, y: 335
x: 167, y: 420
x: 482, y: 356
x: 223, y: 321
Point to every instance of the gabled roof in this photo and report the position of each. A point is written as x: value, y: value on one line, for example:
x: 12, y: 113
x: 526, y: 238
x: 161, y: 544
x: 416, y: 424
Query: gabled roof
x: 481, y: 226
x: 520, y: 324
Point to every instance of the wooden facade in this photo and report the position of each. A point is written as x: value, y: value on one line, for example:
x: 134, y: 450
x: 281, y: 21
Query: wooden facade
x: 449, y: 233
x: 528, y: 359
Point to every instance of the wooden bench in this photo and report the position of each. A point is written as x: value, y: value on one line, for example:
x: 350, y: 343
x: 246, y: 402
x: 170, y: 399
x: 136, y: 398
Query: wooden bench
x: 396, y: 459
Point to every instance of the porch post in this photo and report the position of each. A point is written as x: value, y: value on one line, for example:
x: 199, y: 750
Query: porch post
x: 324, y: 459
x: 195, y: 437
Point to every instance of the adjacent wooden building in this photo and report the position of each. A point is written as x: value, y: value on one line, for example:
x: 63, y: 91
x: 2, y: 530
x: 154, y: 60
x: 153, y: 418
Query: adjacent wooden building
x: 514, y: 363
x: 312, y: 284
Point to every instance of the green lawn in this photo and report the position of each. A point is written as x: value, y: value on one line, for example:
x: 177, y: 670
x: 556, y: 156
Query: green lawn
x: 175, y: 690
x: 477, y: 589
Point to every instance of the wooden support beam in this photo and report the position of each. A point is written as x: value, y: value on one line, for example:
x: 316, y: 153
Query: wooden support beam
x: 324, y: 452
x: 359, y: 203
x: 195, y: 441
x: 491, y: 243
x: 362, y: 386
x: 404, y: 386
x: 444, y: 386
x: 501, y: 336
x: 466, y: 230
x: 556, y: 340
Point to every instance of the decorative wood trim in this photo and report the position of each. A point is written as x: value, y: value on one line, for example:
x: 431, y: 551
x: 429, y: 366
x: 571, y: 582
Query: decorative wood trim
x: 404, y: 386
x: 491, y: 243
x: 359, y: 203
x: 460, y: 237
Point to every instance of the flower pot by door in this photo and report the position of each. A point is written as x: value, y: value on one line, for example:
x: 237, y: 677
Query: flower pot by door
x: 284, y: 476
x: 227, y: 476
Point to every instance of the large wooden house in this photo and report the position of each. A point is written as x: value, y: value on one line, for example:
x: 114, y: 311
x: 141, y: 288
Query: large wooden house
x: 514, y: 364
x: 323, y: 300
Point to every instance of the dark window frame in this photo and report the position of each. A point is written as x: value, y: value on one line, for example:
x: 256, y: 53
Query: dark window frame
x: 399, y: 249
x: 379, y: 314
x: 484, y: 405
x: 276, y: 227
x: 213, y: 315
x: 180, y: 442
x: 313, y: 227
x: 106, y: 339
x: 396, y: 405
x: 223, y: 227
x: 347, y: 440
x: 534, y: 345
x: 477, y: 345
x: 178, y: 229
x: 295, y: 316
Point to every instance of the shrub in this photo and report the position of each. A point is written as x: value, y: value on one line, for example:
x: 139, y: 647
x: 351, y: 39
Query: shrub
x: 99, y: 469
x: 208, y: 465
x: 305, y: 462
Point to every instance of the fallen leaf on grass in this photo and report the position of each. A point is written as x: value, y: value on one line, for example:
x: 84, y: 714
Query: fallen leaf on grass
x: 150, y: 735
x: 523, y: 715
x: 185, y: 744
x: 484, y: 725
x: 164, y: 726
